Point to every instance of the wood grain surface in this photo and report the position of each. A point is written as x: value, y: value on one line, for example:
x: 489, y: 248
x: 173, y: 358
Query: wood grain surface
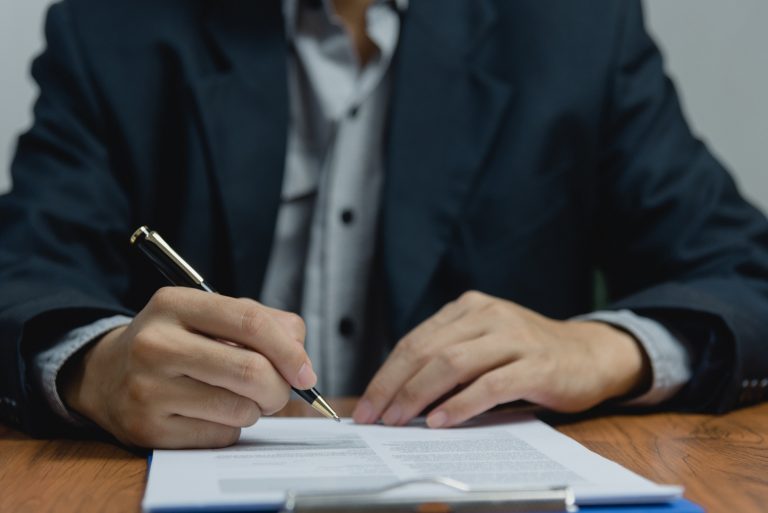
x: 721, y: 460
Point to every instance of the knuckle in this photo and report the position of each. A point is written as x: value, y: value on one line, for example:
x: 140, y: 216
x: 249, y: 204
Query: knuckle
x: 409, y: 395
x: 252, y: 368
x: 253, y: 321
x: 453, y: 358
x: 284, y: 397
x: 227, y: 437
x: 471, y: 297
x: 277, y: 398
x: 496, y: 308
x: 420, y: 355
x: 211, y: 436
x: 165, y: 298
x: 298, y: 328
x: 244, y: 412
x: 448, y: 308
x: 412, y: 349
x: 495, y: 385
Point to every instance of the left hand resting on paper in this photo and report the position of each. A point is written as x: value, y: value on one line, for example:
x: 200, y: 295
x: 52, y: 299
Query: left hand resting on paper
x: 494, y: 351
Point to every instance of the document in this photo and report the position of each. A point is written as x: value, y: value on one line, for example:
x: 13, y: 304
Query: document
x: 500, y: 451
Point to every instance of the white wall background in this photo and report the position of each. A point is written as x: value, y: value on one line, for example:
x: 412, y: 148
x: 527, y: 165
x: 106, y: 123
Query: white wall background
x: 20, y: 38
x: 715, y: 50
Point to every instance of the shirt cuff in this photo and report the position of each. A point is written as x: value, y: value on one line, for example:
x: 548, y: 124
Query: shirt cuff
x: 668, y: 355
x: 48, y: 363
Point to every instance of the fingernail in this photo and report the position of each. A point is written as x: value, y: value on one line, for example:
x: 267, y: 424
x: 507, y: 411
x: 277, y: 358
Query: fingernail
x: 363, y: 412
x: 306, y: 377
x: 392, y: 415
x: 437, y: 419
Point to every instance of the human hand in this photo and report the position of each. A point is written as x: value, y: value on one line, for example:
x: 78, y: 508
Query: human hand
x: 500, y: 352
x: 170, y: 379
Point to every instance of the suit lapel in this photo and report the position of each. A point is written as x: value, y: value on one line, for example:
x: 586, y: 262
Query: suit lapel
x: 444, y: 116
x: 243, y: 113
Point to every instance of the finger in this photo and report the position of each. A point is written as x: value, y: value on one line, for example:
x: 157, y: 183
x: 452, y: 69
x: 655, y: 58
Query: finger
x: 470, y: 325
x: 452, y: 366
x: 190, y: 398
x: 239, y: 321
x: 232, y: 367
x: 175, y: 432
x: 242, y: 371
x: 502, y: 385
x: 455, y: 325
x: 180, y: 432
x: 448, y: 314
x: 293, y: 323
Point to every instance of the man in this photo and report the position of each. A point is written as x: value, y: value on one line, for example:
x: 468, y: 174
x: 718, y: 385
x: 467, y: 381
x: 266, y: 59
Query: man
x: 429, y: 184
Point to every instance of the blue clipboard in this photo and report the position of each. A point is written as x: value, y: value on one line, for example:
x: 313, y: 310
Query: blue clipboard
x: 678, y: 506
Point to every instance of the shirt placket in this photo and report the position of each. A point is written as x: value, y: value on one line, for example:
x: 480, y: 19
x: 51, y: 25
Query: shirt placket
x: 344, y: 223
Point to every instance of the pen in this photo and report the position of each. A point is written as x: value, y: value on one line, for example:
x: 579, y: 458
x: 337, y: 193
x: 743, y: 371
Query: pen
x: 180, y: 273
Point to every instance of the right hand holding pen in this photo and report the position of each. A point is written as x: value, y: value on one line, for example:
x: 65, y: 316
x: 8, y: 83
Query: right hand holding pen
x: 167, y: 381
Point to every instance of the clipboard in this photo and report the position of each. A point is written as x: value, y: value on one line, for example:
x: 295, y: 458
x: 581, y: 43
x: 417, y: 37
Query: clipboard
x: 211, y: 481
x: 467, y: 500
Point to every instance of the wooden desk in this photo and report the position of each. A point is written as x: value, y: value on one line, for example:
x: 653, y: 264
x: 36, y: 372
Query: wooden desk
x: 722, y: 461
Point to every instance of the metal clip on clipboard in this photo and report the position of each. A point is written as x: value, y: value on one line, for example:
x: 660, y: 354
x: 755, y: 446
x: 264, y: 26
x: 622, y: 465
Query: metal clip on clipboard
x: 377, y: 500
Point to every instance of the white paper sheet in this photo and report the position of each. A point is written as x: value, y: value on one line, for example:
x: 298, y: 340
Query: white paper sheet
x: 501, y: 451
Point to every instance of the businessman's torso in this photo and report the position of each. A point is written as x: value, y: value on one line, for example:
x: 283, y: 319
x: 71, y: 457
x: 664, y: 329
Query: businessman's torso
x: 493, y: 145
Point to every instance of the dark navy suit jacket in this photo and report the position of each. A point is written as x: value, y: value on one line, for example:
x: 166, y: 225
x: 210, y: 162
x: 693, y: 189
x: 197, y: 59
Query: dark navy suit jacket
x: 528, y: 145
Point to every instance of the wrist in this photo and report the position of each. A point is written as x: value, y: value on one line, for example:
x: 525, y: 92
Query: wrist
x: 619, y: 358
x: 78, y: 380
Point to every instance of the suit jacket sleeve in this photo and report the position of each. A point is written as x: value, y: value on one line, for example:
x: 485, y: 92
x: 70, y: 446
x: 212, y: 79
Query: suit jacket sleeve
x: 677, y: 242
x: 62, y: 228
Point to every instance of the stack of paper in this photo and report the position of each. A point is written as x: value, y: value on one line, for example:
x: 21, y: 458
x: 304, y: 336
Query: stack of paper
x: 501, y: 451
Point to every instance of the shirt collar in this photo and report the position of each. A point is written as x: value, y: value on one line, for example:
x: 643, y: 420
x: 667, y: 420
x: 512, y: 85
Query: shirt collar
x: 291, y: 11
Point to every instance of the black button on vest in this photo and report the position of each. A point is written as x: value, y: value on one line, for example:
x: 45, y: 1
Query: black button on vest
x: 347, y: 327
x: 348, y: 216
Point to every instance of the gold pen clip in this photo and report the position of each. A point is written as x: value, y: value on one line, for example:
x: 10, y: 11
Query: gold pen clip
x: 155, y: 239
